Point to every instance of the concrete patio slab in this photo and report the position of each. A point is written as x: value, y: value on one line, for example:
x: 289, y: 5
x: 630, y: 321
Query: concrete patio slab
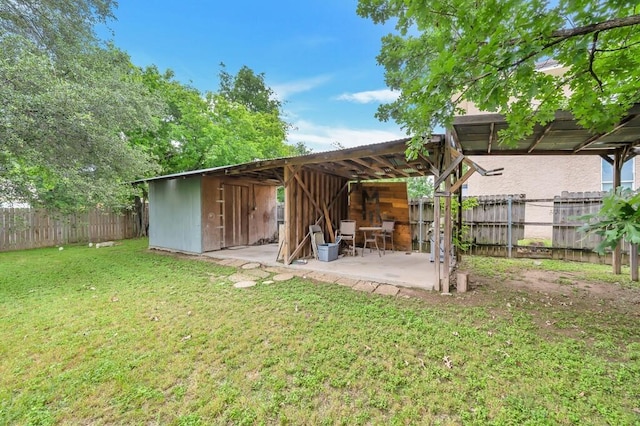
x: 396, y: 268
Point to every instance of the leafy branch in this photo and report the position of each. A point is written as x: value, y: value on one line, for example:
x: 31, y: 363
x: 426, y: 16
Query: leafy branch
x: 618, y: 218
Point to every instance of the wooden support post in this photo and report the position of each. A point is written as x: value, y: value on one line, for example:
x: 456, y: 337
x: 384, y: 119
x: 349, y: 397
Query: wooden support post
x: 446, y: 266
x: 436, y: 240
x: 448, y: 219
x: 633, y: 262
x: 618, y: 160
x: 459, y: 224
x: 288, y: 205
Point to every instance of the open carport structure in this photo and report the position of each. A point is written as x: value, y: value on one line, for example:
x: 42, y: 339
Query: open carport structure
x: 477, y: 135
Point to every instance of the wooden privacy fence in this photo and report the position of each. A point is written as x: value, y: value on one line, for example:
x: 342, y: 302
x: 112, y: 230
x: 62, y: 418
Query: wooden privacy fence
x: 497, y: 223
x: 566, y: 209
x: 494, y: 221
x: 30, y: 228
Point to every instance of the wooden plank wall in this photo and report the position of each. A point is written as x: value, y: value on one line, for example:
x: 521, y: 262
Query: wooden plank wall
x: 301, y: 211
x: 30, y: 228
x: 384, y: 201
x: 263, y: 216
x: 231, y: 207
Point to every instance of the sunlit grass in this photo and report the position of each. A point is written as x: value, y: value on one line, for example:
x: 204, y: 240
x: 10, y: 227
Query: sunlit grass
x: 123, y: 336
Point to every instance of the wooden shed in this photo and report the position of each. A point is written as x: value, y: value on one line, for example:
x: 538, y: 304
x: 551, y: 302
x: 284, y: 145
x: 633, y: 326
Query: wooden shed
x: 222, y: 207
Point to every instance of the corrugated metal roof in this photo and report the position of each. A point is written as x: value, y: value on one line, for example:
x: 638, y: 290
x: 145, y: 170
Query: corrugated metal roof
x: 477, y: 135
x: 374, y: 161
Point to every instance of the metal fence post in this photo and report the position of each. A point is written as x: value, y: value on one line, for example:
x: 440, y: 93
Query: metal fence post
x: 509, y: 225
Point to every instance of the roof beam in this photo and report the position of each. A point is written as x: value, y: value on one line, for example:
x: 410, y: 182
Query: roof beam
x: 376, y: 169
x: 462, y: 180
x: 357, y: 168
x: 352, y: 169
x: 465, y: 120
x: 607, y: 159
x: 595, y: 138
x: 389, y: 164
x: 432, y: 168
x: 454, y: 136
x: 393, y: 147
x: 492, y: 135
x: 448, y: 171
x: 541, y: 136
x: 481, y: 152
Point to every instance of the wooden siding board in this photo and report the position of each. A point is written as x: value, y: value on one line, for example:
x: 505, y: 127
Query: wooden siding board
x: 392, y: 203
x: 211, y: 214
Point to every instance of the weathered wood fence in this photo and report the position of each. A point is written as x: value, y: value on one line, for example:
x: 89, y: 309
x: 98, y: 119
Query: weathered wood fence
x: 497, y: 223
x: 24, y: 228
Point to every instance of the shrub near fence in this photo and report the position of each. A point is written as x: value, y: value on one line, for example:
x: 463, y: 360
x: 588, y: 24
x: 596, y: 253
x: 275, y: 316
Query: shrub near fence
x: 31, y: 228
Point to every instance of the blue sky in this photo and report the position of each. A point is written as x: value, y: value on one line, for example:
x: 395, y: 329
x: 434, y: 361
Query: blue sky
x: 318, y: 56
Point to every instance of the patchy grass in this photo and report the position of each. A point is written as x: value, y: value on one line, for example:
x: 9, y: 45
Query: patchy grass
x: 123, y: 336
x: 501, y: 268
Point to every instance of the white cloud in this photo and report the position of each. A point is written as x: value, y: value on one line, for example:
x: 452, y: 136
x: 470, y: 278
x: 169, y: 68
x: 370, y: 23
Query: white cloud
x: 323, y: 138
x: 382, y: 95
x: 284, y: 90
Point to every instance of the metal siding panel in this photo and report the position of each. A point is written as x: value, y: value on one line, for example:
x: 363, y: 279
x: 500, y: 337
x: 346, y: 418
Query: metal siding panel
x: 175, y: 214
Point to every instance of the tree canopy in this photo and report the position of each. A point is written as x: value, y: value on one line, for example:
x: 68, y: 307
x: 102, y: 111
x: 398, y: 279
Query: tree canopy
x: 78, y: 119
x: 237, y: 124
x: 445, y: 52
x: 66, y: 103
x: 249, y: 89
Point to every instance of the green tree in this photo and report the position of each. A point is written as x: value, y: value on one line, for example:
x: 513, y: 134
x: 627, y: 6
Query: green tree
x: 244, y: 135
x: 66, y: 104
x: 444, y: 52
x: 200, y: 131
x: 420, y: 187
x: 184, y: 132
x: 55, y: 25
x: 249, y: 89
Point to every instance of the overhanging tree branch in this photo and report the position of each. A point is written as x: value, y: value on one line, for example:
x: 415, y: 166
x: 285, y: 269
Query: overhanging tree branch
x: 610, y: 24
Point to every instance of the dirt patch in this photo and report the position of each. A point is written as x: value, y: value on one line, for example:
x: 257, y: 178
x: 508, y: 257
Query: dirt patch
x: 568, y: 285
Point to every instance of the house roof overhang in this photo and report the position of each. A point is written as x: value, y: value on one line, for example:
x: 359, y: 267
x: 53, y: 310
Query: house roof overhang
x: 477, y: 135
x: 376, y: 161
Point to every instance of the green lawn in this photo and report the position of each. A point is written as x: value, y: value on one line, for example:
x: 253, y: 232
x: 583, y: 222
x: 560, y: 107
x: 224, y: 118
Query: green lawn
x: 121, y: 335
